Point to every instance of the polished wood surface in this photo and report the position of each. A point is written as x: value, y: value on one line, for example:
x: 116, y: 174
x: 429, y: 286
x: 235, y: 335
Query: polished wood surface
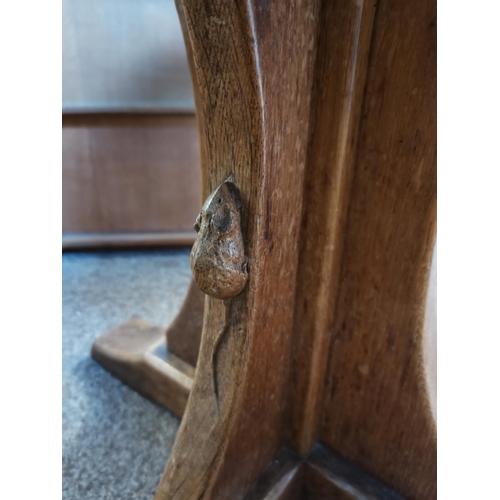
x: 377, y: 405
x: 184, y: 334
x: 323, y: 114
x: 130, y: 173
x: 361, y: 153
x: 343, y: 42
x: 320, y: 475
x: 136, y: 353
x: 257, y: 138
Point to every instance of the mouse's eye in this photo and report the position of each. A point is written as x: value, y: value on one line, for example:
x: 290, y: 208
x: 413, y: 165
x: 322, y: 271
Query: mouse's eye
x: 222, y: 219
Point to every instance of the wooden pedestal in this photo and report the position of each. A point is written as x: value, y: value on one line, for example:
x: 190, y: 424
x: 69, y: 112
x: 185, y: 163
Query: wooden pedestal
x: 323, y: 113
x: 136, y: 353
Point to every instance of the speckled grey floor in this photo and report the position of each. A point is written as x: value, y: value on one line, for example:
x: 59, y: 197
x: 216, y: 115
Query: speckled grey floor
x: 115, y: 442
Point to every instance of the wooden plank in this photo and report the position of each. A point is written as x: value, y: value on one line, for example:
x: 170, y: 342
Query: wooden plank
x: 136, y: 353
x: 125, y: 119
x: 130, y: 173
x: 342, y: 53
x: 126, y: 108
x: 74, y: 241
x: 377, y: 411
x: 244, y: 55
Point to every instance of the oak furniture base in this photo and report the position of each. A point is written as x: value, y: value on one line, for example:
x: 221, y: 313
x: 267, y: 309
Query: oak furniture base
x: 322, y: 113
x: 320, y: 475
x: 136, y: 352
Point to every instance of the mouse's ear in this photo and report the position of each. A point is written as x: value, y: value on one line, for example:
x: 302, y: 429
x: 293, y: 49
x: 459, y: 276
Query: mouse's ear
x: 232, y: 190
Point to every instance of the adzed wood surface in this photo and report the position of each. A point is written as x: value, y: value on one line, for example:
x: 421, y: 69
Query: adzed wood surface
x: 377, y: 411
x: 323, y: 114
x: 329, y: 476
x: 184, y: 334
x: 136, y: 353
x: 254, y: 78
x: 344, y: 35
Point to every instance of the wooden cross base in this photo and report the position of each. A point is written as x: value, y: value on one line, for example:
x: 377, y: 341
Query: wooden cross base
x: 320, y: 475
x: 323, y: 114
x: 136, y: 352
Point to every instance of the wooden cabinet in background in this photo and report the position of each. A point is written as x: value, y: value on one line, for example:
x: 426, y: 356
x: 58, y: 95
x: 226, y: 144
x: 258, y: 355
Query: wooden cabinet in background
x: 129, y: 179
x: 131, y: 173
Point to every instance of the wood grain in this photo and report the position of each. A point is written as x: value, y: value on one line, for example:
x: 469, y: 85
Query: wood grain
x: 184, y: 334
x: 376, y: 409
x: 281, y: 480
x: 241, y: 61
x: 337, y: 94
x: 136, y: 353
x: 323, y: 113
x: 130, y: 173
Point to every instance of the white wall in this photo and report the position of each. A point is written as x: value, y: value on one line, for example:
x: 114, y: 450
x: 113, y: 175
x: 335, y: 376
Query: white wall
x: 123, y: 54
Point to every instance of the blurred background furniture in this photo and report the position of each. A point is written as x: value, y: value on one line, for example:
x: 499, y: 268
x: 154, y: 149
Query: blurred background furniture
x: 131, y: 173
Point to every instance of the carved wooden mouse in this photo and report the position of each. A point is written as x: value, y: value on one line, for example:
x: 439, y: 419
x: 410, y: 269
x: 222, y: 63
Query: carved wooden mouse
x: 218, y: 258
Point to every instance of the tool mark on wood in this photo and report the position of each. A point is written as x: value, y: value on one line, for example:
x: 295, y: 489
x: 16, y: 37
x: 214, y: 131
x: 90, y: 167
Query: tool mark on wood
x: 220, y: 336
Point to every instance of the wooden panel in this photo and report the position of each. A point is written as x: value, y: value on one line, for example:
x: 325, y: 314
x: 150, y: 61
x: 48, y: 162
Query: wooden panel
x: 344, y: 36
x: 244, y: 56
x: 376, y: 408
x: 125, y: 173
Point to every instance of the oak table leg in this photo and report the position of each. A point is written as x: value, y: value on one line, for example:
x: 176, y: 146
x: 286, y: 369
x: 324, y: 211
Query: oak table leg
x: 322, y: 113
x: 254, y: 78
x: 184, y: 334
